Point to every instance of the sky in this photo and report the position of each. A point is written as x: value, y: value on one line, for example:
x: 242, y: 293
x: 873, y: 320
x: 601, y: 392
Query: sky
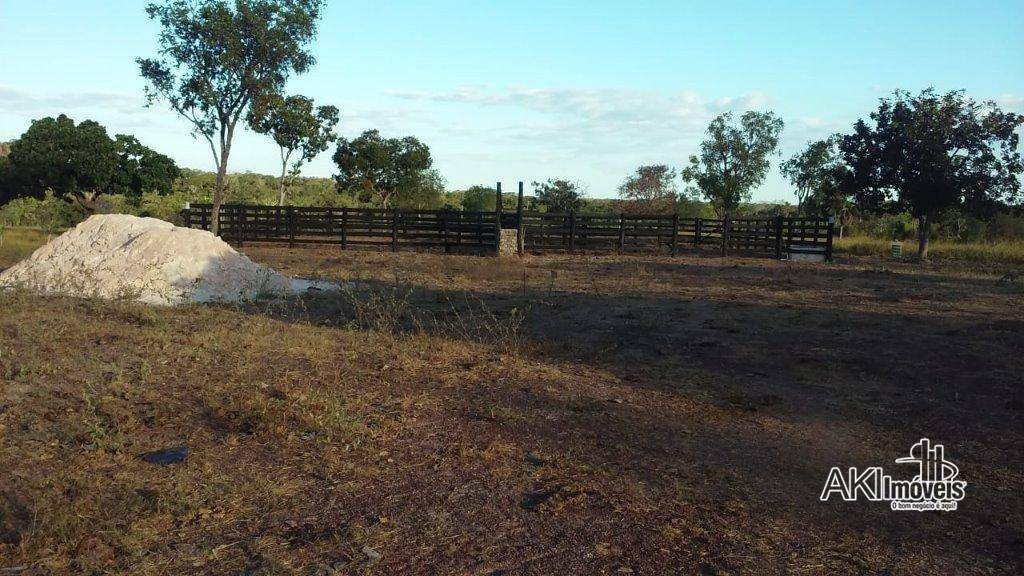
x: 531, y: 90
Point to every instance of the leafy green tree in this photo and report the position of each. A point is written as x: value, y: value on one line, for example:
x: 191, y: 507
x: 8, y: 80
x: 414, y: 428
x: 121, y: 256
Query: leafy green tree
x: 381, y: 167
x: 818, y: 174
x: 141, y: 169
x: 926, y: 153
x: 424, y: 192
x: 218, y: 57
x: 734, y: 159
x: 300, y: 131
x: 651, y: 190
x: 55, y: 154
x: 815, y: 170
x: 559, y: 195
x: 479, y: 199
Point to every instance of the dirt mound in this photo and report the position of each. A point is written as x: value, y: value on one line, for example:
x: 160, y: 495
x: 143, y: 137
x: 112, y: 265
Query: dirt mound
x: 120, y: 256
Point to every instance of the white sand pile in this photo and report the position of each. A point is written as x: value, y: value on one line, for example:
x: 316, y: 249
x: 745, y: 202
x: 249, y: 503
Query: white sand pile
x: 145, y: 259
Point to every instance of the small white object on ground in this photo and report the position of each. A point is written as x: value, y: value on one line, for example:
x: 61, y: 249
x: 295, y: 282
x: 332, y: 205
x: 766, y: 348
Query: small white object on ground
x: 117, y: 256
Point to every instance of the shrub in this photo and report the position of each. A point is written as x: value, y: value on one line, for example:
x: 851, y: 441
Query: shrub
x: 50, y: 214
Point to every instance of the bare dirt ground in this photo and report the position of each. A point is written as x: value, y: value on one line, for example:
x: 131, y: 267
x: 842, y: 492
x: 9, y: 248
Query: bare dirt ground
x: 554, y: 415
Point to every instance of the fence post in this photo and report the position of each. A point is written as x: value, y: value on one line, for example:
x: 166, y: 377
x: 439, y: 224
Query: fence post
x: 696, y: 231
x: 828, y: 239
x: 291, y: 226
x: 203, y: 221
x: 444, y: 231
x: 394, y: 230
x: 675, y: 232
x: 622, y: 233
x: 726, y: 226
x: 520, y: 242
x: 238, y: 218
x: 497, y: 219
x: 572, y: 232
x: 188, y: 215
x: 778, y: 237
x: 344, y: 228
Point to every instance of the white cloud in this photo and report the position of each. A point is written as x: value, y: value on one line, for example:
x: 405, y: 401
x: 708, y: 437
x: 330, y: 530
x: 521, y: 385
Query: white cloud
x: 594, y: 103
x: 14, y: 101
x: 594, y: 120
x: 597, y: 135
x: 118, y: 111
x: 1011, y: 103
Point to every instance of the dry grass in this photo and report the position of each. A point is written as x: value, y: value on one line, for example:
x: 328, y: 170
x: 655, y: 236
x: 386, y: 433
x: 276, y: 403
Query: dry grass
x: 17, y: 243
x: 1009, y: 252
x: 465, y: 415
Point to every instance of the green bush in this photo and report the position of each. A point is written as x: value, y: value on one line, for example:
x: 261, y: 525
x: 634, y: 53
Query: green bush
x: 49, y: 214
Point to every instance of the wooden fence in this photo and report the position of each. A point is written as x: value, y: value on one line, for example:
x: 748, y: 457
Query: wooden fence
x: 538, y: 231
x: 349, y: 226
x: 776, y: 236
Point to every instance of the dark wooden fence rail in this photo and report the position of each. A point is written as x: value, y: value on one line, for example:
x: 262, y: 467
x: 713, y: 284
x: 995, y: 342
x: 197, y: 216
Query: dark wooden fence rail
x: 349, y: 226
x: 777, y: 236
x: 540, y: 231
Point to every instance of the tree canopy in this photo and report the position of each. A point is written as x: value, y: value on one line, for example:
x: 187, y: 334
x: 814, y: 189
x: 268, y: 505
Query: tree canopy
x: 926, y: 153
x: 816, y: 172
x: 383, y: 167
x: 80, y: 160
x: 217, y: 58
x: 300, y: 131
x: 57, y: 154
x: 734, y: 159
x: 424, y: 192
x: 141, y: 169
x: 559, y: 195
x: 479, y: 198
x: 651, y: 190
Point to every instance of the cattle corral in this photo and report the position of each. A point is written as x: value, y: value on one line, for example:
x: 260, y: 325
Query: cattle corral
x: 537, y: 232
x: 550, y: 414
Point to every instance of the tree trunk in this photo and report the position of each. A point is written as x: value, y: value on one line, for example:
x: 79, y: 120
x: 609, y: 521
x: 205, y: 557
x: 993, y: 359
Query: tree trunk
x: 284, y: 173
x: 222, y: 177
x: 923, y: 233
x: 280, y: 200
x: 218, y: 198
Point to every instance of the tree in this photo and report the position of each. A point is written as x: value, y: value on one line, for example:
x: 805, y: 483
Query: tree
x: 818, y: 174
x: 141, y: 169
x: 55, y: 154
x: 295, y: 127
x: 479, y: 199
x: 424, y: 192
x: 651, y: 190
x: 930, y: 152
x: 218, y: 57
x: 814, y: 171
x: 381, y: 166
x: 734, y: 159
x: 559, y: 195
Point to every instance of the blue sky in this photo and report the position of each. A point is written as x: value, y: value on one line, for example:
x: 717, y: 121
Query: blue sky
x: 531, y: 90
